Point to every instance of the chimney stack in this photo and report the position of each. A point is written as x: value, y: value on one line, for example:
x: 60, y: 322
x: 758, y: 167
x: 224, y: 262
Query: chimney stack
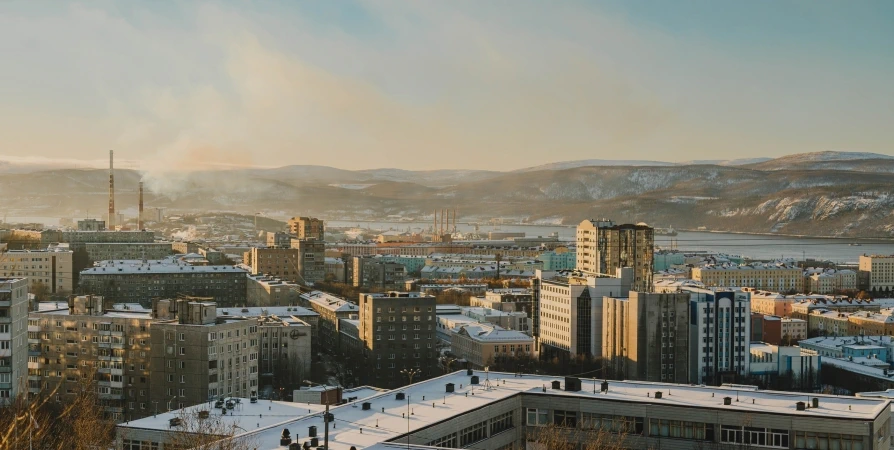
x: 140, y: 213
x: 111, y: 190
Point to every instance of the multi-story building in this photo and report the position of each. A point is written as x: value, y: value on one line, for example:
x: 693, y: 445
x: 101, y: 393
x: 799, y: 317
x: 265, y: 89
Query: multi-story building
x: 52, y: 267
x: 307, y: 228
x: 793, y: 330
x: 568, y: 310
x: 142, y: 281
x: 85, y: 335
x: 804, y: 305
x: 197, y: 357
x: 256, y: 312
x: 771, y: 303
x: 398, y: 332
x: 285, y: 351
x: 263, y: 290
x: 603, y: 247
x: 371, y: 272
x: 829, y: 281
x: 278, y: 239
x: 559, y: 259
x: 876, y: 273
x: 331, y: 310
x: 336, y: 269
x: 91, y: 225
x: 646, y: 336
x: 13, y: 337
x: 512, y: 320
x: 311, y: 259
x: 801, y: 365
x: 412, y: 264
x: 507, y: 300
x: 482, y: 344
x: 184, y: 247
x: 719, y: 335
x: 106, y: 251
x: 276, y: 262
x: 354, y: 249
x: 779, y: 277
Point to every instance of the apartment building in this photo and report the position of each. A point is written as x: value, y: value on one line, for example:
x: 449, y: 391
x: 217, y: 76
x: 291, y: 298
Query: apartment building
x: 483, y: 343
x: 568, y: 310
x: 142, y: 281
x: 285, y: 346
x: 371, y: 272
x: 506, y: 300
x: 646, y: 336
x: 91, y: 225
x: 331, y: 310
x: 263, y: 290
x: 279, y: 239
x: 13, y: 337
x: 772, y: 277
x: 311, y: 259
x: 398, y: 332
x: 793, y: 330
x: 307, y: 228
x: 829, y: 281
x: 197, y: 357
x: 719, y: 335
x: 603, y: 247
x: 52, y: 267
x: 876, y: 273
x: 106, y: 251
x: 185, y: 247
x: 276, y: 262
x: 85, y: 335
x: 560, y: 259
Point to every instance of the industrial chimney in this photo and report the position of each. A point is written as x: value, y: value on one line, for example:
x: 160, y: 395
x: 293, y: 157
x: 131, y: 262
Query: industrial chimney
x: 140, y: 213
x: 111, y: 190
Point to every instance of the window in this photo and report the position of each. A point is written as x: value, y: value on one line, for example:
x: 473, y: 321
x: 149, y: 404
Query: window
x: 501, y: 423
x: 472, y: 434
x: 538, y: 417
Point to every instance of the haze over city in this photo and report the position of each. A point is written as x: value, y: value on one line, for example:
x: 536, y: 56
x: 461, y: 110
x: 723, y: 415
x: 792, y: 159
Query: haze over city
x: 499, y: 85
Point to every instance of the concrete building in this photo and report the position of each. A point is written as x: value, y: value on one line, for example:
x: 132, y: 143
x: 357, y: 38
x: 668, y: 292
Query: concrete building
x: 793, y: 330
x: 513, y: 320
x: 506, y: 300
x: 719, y: 335
x: 559, y: 259
x: 371, y: 272
x: 285, y: 351
x: 398, y: 332
x: 331, y: 310
x: 276, y: 262
x: 307, y: 316
x: 831, y: 280
x: 307, y: 228
x: 13, y: 337
x: 852, y: 348
x: 336, y: 269
x: 510, y: 412
x: 91, y: 225
x: 772, y: 277
x: 262, y: 290
x: 197, y: 357
x: 481, y: 344
x: 89, y: 333
x: 771, y: 303
x: 142, y: 281
x: 52, y: 267
x: 184, y: 247
x: 106, y: 251
x: 876, y: 273
x: 311, y: 259
x: 604, y: 247
x: 646, y: 336
x: 771, y: 361
x: 411, y: 263
x: 278, y: 239
x: 766, y: 328
x: 568, y: 310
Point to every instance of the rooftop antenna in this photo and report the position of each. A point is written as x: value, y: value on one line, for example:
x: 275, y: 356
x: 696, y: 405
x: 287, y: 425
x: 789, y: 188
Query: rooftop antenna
x: 487, y: 385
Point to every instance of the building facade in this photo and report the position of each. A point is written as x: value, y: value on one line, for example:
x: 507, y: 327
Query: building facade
x: 371, y: 272
x: 719, y: 335
x: 877, y: 273
x: 262, y: 290
x: 307, y: 228
x: 52, y: 268
x: 105, y: 251
x: 482, y: 344
x: 603, y: 247
x: 311, y: 259
x: 398, y: 332
x: 13, y: 337
x: 279, y: 239
x: 771, y: 277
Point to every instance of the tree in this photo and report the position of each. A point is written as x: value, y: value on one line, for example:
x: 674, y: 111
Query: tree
x: 40, y: 290
x: 200, y: 429
x: 558, y: 437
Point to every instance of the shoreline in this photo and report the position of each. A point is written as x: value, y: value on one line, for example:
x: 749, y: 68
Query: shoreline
x: 787, y: 235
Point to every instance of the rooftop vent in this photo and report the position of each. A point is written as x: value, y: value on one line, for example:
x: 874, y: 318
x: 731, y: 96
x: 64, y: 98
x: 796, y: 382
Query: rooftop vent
x: 814, y: 402
x: 469, y: 372
x: 400, y: 396
x: 312, y: 431
x: 727, y: 400
x: 800, y: 406
x: 474, y: 380
x: 657, y: 394
x: 604, y: 387
x: 175, y: 422
x: 450, y: 387
x: 203, y: 414
x: 572, y: 384
x: 367, y: 406
x: 557, y: 385
x: 314, y: 442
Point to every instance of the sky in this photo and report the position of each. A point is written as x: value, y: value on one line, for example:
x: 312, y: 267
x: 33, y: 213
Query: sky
x: 430, y: 85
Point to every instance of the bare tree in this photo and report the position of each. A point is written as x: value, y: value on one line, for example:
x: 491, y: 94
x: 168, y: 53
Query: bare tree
x: 556, y: 437
x: 207, y: 429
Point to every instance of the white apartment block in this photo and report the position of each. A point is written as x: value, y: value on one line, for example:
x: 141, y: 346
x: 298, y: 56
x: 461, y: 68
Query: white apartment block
x: 877, y: 272
x: 829, y: 281
x: 13, y: 337
x: 568, y: 309
x: 720, y: 335
x: 772, y: 277
x: 51, y: 267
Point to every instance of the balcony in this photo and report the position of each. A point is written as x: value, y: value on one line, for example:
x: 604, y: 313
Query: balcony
x: 33, y: 328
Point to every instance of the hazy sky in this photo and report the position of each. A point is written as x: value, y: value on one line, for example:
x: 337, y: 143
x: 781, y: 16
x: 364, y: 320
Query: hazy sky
x: 449, y: 84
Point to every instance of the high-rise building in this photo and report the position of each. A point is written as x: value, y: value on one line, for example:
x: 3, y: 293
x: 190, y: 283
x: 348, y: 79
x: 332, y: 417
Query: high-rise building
x: 306, y: 228
x: 719, y: 335
x: 311, y: 259
x: 13, y: 337
x: 398, y: 332
x: 371, y: 272
x: 646, y: 336
x: 603, y: 247
x: 568, y: 310
x: 876, y: 273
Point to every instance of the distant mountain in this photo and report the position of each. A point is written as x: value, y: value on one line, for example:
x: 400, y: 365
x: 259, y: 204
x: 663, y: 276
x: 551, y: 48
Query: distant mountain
x: 593, y: 163
x: 840, y: 194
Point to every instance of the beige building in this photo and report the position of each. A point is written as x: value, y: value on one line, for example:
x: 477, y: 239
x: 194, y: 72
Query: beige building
x: 771, y: 303
x: 482, y: 343
x: 105, y: 251
x: 279, y: 239
x: 646, y: 336
x: 87, y: 334
x: 771, y: 277
x: 197, y: 357
x: 603, y: 247
x: 877, y: 272
x: 793, y: 329
x: 52, y: 267
x: 13, y: 337
x: 830, y: 281
x: 263, y: 290
x: 307, y: 228
x: 276, y: 262
x: 398, y: 333
x: 311, y: 259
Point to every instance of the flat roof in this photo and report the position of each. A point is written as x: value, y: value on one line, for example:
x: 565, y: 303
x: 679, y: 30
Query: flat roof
x: 438, y: 405
x: 257, y: 311
x: 165, y: 266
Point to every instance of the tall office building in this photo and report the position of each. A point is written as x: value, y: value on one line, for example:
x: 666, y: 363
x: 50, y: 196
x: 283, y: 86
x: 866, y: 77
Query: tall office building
x: 646, y: 336
x: 603, y: 247
x: 13, y: 337
x: 398, y: 332
x: 719, y: 335
x: 306, y: 228
x: 568, y: 310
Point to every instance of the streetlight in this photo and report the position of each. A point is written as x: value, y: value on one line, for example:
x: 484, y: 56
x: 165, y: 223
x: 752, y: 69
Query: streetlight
x: 410, y: 373
x: 325, y: 416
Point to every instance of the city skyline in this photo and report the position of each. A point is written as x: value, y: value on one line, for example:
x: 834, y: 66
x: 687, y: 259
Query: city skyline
x: 427, y: 86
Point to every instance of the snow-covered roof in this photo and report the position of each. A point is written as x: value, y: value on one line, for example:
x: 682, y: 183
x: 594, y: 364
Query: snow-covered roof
x: 161, y: 266
x: 257, y: 311
x: 330, y: 302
